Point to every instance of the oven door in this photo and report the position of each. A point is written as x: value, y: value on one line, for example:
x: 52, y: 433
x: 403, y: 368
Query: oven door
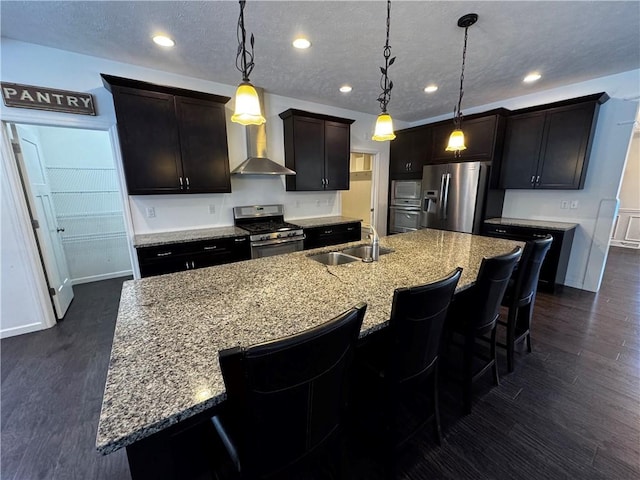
x: 403, y: 219
x: 269, y: 248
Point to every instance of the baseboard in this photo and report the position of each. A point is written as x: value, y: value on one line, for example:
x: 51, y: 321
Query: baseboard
x: 624, y: 244
x: 104, y: 276
x: 22, y: 329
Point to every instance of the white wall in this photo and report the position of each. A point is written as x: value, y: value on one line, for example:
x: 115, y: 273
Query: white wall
x: 598, y: 200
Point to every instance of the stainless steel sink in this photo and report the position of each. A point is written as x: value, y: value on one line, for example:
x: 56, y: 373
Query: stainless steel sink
x: 364, y: 251
x: 333, y: 258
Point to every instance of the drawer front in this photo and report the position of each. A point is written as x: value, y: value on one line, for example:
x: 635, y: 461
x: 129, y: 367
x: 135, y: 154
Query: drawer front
x: 331, y: 235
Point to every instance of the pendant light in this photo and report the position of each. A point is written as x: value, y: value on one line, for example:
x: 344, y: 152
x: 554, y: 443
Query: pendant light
x: 384, y: 123
x: 456, y: 140
x: 247, y: 111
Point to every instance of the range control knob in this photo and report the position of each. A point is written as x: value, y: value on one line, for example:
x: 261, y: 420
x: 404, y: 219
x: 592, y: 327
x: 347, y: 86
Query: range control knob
x: 278, y: 235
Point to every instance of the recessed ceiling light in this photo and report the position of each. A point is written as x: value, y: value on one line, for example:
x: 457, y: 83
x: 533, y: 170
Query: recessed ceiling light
x: 163, y: 41
x: 532, y: 77
x: 430, y: 88
x: 301, y: 43
x: 345, y: 88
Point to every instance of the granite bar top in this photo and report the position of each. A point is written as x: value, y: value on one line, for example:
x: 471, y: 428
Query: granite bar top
x: 181, y: 236
x: 164, y: 359
x: 323, y: 221
x: 520, y: 222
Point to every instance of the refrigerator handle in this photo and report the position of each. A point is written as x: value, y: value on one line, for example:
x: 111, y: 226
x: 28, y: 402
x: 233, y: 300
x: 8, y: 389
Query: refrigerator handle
x: 441, y: 197
x: 444, y: 202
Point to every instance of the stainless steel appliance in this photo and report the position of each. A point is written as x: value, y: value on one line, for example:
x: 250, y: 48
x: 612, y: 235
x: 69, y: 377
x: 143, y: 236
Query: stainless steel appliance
x: 454, y: 195
x: 404, y: 207
x: 269, y: 234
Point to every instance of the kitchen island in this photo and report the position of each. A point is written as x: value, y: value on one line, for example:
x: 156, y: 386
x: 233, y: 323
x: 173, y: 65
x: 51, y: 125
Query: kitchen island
x: 164, y: 360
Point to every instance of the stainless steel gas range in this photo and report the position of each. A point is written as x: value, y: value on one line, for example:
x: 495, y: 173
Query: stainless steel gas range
x: 269, y: 233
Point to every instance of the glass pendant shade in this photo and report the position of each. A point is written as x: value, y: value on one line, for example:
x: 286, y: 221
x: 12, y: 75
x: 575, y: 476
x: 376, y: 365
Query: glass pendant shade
x: 384, y: 128
x: 456, y: 141
x: 247, y: 110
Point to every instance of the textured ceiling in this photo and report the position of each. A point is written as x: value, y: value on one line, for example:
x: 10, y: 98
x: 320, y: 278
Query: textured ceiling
x: 567, y: 42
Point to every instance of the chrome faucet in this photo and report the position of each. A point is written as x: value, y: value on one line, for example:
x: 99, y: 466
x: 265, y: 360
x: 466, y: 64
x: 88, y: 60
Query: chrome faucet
x: 375, y: 243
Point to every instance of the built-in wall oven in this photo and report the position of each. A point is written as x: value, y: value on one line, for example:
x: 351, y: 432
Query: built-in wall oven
x: 269, y: 233
x: 405, y: 206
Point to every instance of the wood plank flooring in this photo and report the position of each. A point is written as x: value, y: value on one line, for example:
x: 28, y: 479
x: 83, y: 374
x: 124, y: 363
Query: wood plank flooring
x: 570, y: 409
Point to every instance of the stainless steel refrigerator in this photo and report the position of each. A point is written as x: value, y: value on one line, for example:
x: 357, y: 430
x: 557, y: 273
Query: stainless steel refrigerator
x: 453, y: 196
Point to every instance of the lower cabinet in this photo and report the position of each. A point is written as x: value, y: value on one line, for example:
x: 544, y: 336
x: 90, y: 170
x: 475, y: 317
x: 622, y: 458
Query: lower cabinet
x: 331, y: 235
x: 177, y: 257
x: 554, y: 267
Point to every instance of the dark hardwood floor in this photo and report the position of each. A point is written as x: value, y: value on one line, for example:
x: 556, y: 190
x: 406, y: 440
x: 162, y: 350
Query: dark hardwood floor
x: 570, y: 410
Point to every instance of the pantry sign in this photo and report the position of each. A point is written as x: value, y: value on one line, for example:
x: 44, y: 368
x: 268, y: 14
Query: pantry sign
x: 42, y: 98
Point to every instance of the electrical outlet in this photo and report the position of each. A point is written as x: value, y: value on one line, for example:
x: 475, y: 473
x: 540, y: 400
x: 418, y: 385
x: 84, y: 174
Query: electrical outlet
x: 151, y: 212
x: 212, y: 209
x: 564, y: 204
x: 574, y: 204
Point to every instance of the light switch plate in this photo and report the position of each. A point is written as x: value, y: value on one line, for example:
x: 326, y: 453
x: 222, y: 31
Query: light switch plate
x: 574, y: 204
x: 564, y: 204
x: 212, y: 209
x: 151, y: 212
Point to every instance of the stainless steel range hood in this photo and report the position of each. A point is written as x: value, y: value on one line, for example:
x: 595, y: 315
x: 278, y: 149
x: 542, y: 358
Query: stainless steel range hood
x: 257, y: 162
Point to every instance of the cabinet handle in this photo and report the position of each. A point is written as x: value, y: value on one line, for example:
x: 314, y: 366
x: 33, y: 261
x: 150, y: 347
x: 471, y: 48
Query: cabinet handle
x: 410, y: 165
x: 213, y: 247
x: 500, y: 231
x: 538, y: 179
x: 540, y: 235
x: 187, y: 179
x: 193, y: 264
x: 186, y: 264
x: 350, y: 229
x: 533, y: 179
x: 163, y: 254
x: 326, y: 180
x: 181, y: 186
x: 323, y: 182
x: 327, y: 232
x: 240, y: 239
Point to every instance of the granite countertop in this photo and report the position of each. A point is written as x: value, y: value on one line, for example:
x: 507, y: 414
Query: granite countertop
x: 164, y: 359
x: 323, y: 221
x: 181, y: 236
x: 520, y: 222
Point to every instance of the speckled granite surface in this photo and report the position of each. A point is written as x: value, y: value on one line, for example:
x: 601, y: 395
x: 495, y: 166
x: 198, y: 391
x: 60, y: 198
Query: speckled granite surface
x: 323, y: 221
x: 164, y: 365
x: 166, y: 238
x: 519, y: 222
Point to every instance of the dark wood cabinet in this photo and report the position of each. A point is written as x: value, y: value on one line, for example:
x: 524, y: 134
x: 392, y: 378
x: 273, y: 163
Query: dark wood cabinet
x: 548, y: 147
x: 409, y: 152
x: 177, y: 257
x: 317, y: 147
x: 483, y: 135
x: 172, y: 140
x: 331, y: 235
x: 554, y: 267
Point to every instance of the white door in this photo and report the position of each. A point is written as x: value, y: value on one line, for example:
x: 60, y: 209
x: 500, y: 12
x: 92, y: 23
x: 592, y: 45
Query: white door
x: 44, y: 217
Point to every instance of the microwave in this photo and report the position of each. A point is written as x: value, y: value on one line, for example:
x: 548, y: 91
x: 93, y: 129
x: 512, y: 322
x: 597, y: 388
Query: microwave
x: 403, y: 190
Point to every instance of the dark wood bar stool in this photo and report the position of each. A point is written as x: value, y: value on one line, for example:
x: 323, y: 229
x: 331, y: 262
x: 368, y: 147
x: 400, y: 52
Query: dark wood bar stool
x: 521, y: 295
x: 287, y: 399
x: 473, y: 315
x: 400, y: 362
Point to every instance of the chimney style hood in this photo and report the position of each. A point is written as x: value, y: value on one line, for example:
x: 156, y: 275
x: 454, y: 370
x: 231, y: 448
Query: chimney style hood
x: 257, y: 162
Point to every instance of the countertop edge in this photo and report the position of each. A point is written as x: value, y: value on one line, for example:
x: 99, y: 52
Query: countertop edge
x: 521, y: 222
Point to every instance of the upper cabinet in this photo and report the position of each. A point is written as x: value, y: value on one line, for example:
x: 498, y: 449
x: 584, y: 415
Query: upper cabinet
x: 172, y: 140
x: 409, y: 152
x: 317, y: 147
x: 548, y: 146
x: 483, y: 134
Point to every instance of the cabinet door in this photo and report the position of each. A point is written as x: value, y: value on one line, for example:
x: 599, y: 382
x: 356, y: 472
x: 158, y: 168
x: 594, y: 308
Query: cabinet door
x: 479, y: 137
x: 522, y: 145
x: 308, y: 140
x: 337, y: 146
x: 149, y: 141
x: 401, y: 150
x: 203, y: 144
x: 563, y: 159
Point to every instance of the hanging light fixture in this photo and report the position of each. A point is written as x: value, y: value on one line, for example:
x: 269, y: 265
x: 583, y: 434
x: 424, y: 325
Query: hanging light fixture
x: 384, y: 123
x: 456, y: 140
x: 247, y: 111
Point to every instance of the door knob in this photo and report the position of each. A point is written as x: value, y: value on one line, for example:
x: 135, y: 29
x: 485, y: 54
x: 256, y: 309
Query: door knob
x: 59, y: 229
